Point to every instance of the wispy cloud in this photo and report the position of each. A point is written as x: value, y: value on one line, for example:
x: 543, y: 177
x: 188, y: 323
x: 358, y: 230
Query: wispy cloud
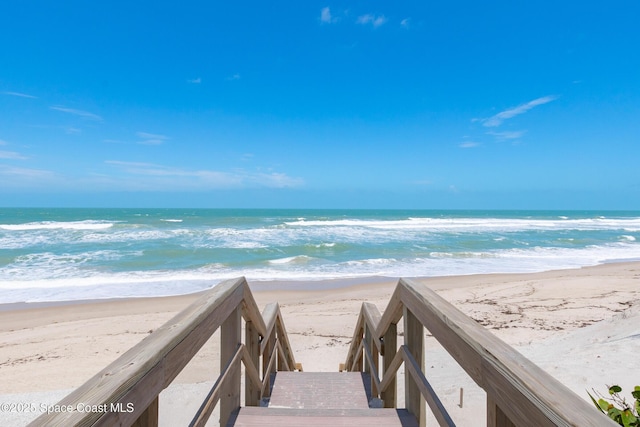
x: 376, y: 21
x: 25, y: 173
x: 71, y: 130
x: 508, y: 135
x: 405, y: 23
x: 468, y: 144
x: 326, y: 17
x: 158, y: 177
x: 80, y: 113
x: 151, y: 138
x: 195, y: 81
x: 236, y: 76
x: 497, y: 120
x: 12, y: 155
x: 21, y: 95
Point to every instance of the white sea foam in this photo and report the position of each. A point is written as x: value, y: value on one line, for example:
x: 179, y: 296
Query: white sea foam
x: 300, y: 259
x: 478, y: 224
x: 52, y: 225
x: 100, y: 259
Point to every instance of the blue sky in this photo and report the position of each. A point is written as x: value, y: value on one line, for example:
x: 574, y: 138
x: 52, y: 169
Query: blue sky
x: 368, y: 104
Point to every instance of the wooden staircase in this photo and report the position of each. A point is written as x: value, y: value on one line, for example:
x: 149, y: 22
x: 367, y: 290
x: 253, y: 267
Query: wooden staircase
x: 519, y: 393
x: 327, y: 399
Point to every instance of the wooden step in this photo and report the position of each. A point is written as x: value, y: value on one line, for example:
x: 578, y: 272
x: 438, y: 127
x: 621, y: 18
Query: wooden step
x: 320, y: 390
x: 252, y: 416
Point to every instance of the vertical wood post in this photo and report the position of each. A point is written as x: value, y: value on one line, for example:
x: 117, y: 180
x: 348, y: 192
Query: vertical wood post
x: 268, y: 349
x: 281, y: 360
x: 390, y: 349
x: 367, y: 342
x: 149, y: 418
x: 230, y: 338
x: 414, y: 340
x: 495, y: 416
x: 360, y: 355
x: 251, y: 390
x: 376, y: 363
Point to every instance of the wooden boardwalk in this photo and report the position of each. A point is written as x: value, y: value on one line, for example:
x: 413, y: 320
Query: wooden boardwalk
x: 315, y: 399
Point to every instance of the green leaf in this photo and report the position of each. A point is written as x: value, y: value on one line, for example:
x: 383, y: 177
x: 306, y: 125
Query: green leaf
x: 604, y: 405
x: 615, y: 389
x: 627, y: 418
x: 636, y: 393
x: 595, y: 402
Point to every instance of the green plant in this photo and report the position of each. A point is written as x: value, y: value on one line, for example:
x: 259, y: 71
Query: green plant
x: 617, y: 408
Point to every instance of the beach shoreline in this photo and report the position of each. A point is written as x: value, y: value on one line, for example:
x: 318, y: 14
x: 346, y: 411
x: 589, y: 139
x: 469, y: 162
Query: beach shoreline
x: 48, y: 347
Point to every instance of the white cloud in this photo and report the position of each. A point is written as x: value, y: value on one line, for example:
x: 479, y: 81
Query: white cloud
x: 405, y: 23
x: 71, y: 130
x: 507, y: 135
x: 520, y: 109
x: 195, y: 81
x: 21, y: 95
x: 25, y: 173
x: 469, y: 144
x: 12, y: 155
x: 236, y: 76
x: 81, y: 113
x: 326, y: 17
x: 151, y: 138
x: 376, y: 21
x: 151, y: 176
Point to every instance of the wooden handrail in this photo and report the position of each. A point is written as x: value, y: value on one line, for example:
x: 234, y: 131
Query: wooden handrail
x: 134, y: 380
x: 519, y: 393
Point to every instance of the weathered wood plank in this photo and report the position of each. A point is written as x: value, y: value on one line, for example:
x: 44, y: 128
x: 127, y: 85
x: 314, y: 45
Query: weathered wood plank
x: 372, y: 318
x: 283, y: 337
x: 252, y: 356
x: 109, y: 385
x: 495, y: 416
x: 270, y: 315
x: 205, y: 410
x: 353, y: 353
x: 323, y: 418
x: 251, y: 313
x: 373, y: 372
x: 430, y: 396
x: 252, y: 374
x: 414, y: 344
x: 527, y: 394
x: 389, y: 350
x: 392, y: 313
x: 268, y: 364
x: 230, y: 339
x: 149, y: 417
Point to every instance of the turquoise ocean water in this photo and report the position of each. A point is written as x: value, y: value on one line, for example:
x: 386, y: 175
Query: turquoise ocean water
x: 68, y: 254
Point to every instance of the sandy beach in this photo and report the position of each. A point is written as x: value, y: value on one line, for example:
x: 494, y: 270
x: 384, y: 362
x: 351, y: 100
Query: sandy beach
x: 580, y: 325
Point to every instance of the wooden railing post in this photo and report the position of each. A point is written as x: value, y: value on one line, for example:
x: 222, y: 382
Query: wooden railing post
x: 266, y: 356
x: 230, y: 338
x: 251, y: 390
x: 414, y: 340
x: 359, y: 357
x: 390, y: 348
x: 149, y: 418
x: 373, y: 348
x: 495, y: 416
